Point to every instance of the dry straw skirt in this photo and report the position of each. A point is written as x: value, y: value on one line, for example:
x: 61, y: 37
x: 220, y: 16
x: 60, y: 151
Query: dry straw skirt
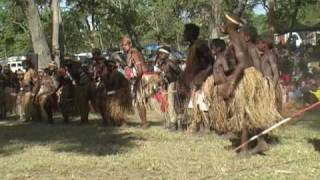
x: 253, y: 105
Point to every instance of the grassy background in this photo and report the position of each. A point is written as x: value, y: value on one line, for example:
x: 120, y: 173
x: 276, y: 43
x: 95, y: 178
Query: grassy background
x: 41, y: 151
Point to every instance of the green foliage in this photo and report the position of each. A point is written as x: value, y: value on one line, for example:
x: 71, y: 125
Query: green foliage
x: 310, y: 15
x: 96, y: 23
x: 260, y: 22
x: 291, y: 14
x: 14, y: 36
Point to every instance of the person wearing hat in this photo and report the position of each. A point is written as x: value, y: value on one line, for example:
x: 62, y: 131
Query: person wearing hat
x: 169, y: 72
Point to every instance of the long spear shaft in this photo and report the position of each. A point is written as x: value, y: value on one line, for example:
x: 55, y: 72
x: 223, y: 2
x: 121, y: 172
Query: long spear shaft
x: 299, y: 113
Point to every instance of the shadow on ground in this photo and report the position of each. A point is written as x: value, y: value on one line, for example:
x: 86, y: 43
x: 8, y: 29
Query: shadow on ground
x: 91, y: 139
x: 315, y: 142
x: 138, y: 124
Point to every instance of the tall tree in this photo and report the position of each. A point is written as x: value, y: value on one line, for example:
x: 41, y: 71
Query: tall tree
x: 271, y: 15
x: 39, y: 42
x: 55, y: 7
x: 216, y: 17
x: 283, y: 15
x: 88, y: 12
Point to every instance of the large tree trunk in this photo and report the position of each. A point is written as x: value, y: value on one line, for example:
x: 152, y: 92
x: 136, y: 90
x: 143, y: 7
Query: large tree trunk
x: 216, y: 17
x: 271, y: 15
x: 55, y: 30
x: 39, y: 42
x: 61, y: 37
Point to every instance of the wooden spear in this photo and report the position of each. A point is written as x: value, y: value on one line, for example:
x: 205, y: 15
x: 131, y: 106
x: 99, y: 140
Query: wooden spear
x: 299, y: 113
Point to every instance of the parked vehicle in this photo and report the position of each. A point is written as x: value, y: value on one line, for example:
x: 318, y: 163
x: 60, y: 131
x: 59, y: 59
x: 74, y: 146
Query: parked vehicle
x: 299, y: 38
x: 83, y: 57
x: 283, y: 39
x: 15, y: 63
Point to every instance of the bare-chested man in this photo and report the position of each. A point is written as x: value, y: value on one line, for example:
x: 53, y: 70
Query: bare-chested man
x: 198, y: 67
x: 138, y: 67
x: 245, y: 74
x: 268, y: 59
x: 199, y: 61
x: 250, y: 38
x: 218, y: 47
x: 221, y: 67
x: 114, y: 97
x: 11, y: 89
x: 238, y: 49
x: 30, y: 85
x: 44, y: 95
x: 269, y: 65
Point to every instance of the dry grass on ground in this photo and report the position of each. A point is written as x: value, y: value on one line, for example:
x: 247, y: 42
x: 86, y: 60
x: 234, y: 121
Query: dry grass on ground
x: 39, y: 151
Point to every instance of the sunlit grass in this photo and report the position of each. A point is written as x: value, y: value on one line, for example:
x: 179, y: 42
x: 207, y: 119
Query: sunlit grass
x: 39, y: 151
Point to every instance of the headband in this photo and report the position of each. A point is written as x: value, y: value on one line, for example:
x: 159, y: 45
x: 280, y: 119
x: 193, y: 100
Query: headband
x: 52, y: 64
x: 233, y: 20
x: 164, y: 51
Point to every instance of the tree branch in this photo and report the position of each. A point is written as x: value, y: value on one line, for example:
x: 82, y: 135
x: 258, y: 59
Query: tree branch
x: 241, y: 7
x: 25, y: 29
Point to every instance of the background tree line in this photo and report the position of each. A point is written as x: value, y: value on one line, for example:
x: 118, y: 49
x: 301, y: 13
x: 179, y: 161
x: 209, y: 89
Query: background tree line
x: 84, y: 24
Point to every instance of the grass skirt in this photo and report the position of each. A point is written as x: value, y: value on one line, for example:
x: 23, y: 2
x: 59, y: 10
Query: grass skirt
x: 118, y: 104
x: 254, y: 104
x: 218, y: 108
x: 214, y: 115
x: 73, y: 99
x: 145, y: 88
